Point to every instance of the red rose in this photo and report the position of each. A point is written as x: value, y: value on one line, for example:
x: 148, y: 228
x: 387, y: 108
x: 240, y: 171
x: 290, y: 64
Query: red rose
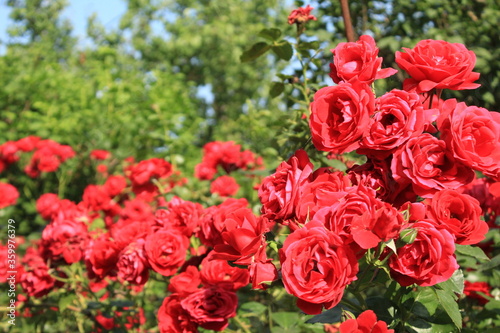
x: 429, y: 166
x: 340, y: 116
x: 101, y: 257
x: 279, y: 192
x: 172, y: 318
x: 436, y: 64
x: 212, y: 220
x: 473, y: 134
x: 166, y: 251
x: 47, y: 205
x: 211, y: 307
x: 185, y: 283
x: 8, y: 195
x: 28, y: 143
x: 64, y: 240
x: 301, y: 15
x: 181, y: 214
x: 262, y: 273
x: 114, y: 185
x: 365, y: 323
x: 358, y: 61
x: 326, y: 189
x: 316, y: 267
x: 34, y: 275
x: 377, y: 175
x: 132, y: 263
x: 8, y: 152
x: 429, y: 260
x: 362, y: 218
x: 225, y: 186
x: 460, y: 215
x: 399, y: 116
x: 142, y: 172
x: 100, y: 155
x: 478, y: 290
x: 243, y: 236
x: 220, y: 273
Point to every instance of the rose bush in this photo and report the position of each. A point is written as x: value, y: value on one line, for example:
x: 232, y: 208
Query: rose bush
x: 378, y: 239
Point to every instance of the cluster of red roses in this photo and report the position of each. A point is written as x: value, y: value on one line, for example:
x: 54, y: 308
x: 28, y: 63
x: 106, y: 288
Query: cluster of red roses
x: 47, y: 154
x: 413, y: 150
x: 124, y: 229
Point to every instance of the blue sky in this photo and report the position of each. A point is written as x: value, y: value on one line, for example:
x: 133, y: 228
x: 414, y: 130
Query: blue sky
x: 108, y: 11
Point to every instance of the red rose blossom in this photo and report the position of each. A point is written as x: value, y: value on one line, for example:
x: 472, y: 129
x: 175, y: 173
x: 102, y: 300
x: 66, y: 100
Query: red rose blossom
x: 340, y: 116
x: 437, y: 64
x: 427, y: 164
x: 172, y: 318
x: 301, y: 15
x: 460, y: 215
x: 398, y: 117
x: 316, y: 267
x: 279, y: 192
x: 473, y: 134
x: 358, y: 61
x: 224, y: 186
x: 211, y: 307
x: 366, y: 322
x: 8, y: 195
x: 429, y: 260
x: 166, y: 251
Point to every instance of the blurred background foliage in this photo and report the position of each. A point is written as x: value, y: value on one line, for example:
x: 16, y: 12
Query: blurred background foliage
x: 169, y: 79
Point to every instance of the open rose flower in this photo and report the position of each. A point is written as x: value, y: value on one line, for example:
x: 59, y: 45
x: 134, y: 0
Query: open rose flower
x: 8, y: 195
x: 243, y: 236
x: 426, y: 162
x: 211, y: 307
x: 340, y: 116
x: 166, y: 251
x: 132, y: 263
x: 358, y: 61
x: 173, y: 318
x: 436, y: 64
x: 279, y: 192
x: 429, y: 260
x: 365, y: 323
x: 316, y: 267
x: 399, y: 116
x: 460, y: 215
x: 301, y: 15
x: 473, y: 134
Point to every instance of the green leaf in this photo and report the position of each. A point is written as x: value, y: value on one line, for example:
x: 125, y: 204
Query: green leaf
x: 454, y: 285
x: 494, y: 262
x: 472, y: 251
x: 66, y: 300
x: 314, y: 45
x: 285, y: 319
x: 328, y: 316
x: 254, y: 308
x: 276, y: 89
x: 283, y: 50
x: 493, y: 305
x: 419, y: 325
x: 425, y: 304
x: 270, y: 34
x: 255, y: 51
x: 449, y: 304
